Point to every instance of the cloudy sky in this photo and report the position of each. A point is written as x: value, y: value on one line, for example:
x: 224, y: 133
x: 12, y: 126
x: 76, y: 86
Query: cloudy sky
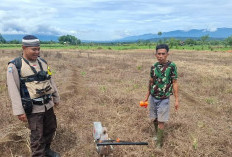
x: 111, y: 19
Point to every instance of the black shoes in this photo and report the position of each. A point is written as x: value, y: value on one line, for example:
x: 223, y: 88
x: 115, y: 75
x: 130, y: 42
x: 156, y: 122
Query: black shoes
x: 51, y: 153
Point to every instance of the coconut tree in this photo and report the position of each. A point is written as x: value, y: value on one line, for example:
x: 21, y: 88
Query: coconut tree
x: 160, y: 34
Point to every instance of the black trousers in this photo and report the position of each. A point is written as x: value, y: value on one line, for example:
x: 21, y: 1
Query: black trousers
x: 43, y: 126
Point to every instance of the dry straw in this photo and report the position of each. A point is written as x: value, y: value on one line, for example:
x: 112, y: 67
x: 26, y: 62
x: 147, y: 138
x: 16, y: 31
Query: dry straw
x: 107, y: 85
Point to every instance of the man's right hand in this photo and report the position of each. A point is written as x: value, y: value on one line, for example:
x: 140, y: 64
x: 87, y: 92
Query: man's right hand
x: 147, y: 96
x: 146, y: 99
x: 22, y: 117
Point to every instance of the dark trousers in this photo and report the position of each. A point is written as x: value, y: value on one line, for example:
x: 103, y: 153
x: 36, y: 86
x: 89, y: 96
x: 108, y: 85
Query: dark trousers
x: 43, y: 126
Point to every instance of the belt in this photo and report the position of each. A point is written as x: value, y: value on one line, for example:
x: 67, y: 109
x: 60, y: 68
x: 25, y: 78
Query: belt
x: 42, y: 100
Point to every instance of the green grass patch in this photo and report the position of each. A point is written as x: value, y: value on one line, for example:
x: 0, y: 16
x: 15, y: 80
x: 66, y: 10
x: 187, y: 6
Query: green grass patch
x: 118, y: 46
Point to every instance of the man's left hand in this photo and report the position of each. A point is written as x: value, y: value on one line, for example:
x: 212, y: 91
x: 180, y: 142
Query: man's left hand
x: 176, y: 105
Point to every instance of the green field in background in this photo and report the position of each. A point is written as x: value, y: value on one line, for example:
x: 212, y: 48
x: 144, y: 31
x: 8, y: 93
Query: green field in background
x: 119, y: 47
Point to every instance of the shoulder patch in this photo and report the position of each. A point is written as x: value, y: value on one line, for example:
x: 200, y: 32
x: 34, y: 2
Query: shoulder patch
x: 10, y: 69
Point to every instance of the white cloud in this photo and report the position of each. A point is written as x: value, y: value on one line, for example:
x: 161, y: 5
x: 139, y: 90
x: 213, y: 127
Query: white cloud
x: 211, y: 29
x: 111, y: 19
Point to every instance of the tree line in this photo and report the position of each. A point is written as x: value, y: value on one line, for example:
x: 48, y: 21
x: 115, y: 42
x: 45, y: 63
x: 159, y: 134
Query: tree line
x: 65, y: 39
x: 203, y: 40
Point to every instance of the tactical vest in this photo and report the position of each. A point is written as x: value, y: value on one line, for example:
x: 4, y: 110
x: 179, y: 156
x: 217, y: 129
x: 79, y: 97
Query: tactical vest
x: 35, y: 83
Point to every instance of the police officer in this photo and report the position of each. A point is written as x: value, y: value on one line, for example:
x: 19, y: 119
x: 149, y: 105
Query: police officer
x: 162, y: 84
x: 33, y: 94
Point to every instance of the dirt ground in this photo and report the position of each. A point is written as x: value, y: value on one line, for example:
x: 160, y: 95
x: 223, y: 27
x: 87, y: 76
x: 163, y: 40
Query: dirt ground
x: 107, y: 85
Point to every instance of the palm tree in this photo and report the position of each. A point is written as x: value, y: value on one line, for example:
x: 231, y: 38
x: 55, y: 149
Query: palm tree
x: 159, y: 34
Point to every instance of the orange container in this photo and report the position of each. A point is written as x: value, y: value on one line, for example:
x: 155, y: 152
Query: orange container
x: 143, y: 104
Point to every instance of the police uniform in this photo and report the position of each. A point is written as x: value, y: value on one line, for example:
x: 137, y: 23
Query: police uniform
x: 42, y: 95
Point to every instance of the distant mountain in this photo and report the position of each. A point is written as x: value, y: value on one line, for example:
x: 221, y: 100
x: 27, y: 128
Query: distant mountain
x: 10, y: 37
x: 220, y: 33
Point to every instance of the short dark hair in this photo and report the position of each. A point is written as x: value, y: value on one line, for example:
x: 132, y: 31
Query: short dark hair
x: 162, y: 46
